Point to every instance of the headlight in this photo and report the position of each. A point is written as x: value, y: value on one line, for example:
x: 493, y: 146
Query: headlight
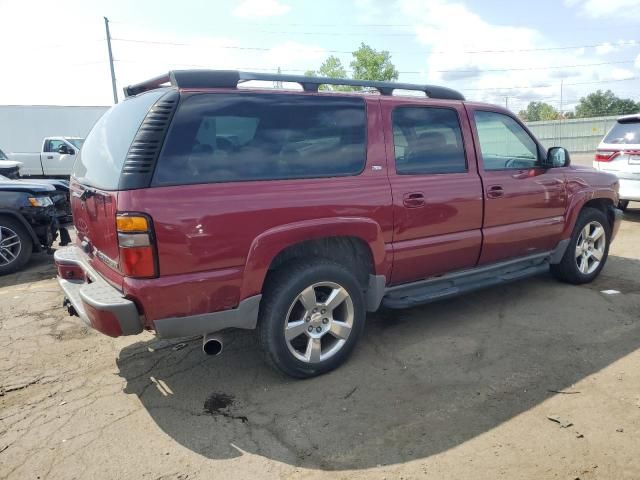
x: 40, y: 201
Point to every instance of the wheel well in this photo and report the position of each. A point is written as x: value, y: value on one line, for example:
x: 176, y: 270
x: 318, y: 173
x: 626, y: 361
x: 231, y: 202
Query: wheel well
x: 604, y: 205
x: 352, y: 252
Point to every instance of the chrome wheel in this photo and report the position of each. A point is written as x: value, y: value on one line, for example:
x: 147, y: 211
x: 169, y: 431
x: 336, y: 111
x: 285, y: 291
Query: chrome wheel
x: 590, y: 247
x: 319, y: 322
x: 10, y: 246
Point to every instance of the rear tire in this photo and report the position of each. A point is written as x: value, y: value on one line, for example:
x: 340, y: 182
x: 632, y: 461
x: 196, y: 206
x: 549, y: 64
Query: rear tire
x: 588, y: 248
x: 312, y: 314
x: 15, y: 245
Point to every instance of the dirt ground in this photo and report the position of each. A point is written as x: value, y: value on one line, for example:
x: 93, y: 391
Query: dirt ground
x: 458, y: 389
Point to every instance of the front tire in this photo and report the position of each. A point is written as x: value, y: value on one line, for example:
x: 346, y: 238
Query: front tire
x: 15, y: 246
x: 588, y: 248
x: 311, y: 316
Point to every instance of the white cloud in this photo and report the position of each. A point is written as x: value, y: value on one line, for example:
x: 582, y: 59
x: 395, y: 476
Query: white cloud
x: 637, y: 62
x: 605, y: 48
x: 621, y: 74
x: 260, y: 8
x: 605, y: 8
x: 290, y: 54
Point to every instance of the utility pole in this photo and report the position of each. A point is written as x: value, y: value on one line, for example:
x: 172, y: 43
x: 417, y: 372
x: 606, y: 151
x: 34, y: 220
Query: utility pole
x: 278, y: 83
x: 506, y: 103
x: 113, y: 73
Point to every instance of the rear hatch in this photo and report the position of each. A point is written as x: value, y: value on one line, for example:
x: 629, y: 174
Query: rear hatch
x: 619, y: 151
x: 96, y: 179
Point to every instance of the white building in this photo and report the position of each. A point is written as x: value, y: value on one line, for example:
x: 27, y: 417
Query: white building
x: 22, y: 127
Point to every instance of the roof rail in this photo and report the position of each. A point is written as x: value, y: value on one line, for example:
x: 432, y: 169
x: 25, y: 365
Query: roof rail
x: 231, y: 79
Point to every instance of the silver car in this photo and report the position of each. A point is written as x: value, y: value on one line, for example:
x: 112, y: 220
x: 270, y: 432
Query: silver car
x: 619, y: 153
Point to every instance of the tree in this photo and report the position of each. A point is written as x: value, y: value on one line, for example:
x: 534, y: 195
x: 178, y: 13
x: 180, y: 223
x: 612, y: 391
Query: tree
x: 367, y: 64
x: 537, y: 111
x: 332, y: 68
x: 600, y: 104
x: 370, y: 64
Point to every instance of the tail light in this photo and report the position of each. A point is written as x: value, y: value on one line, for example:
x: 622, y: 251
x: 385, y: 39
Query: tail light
x: 606, y: 155
x: 136, y: 241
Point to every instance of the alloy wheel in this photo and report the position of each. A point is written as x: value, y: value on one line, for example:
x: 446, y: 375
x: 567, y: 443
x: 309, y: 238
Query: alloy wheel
x: 10, y: 246
x: 319, y: 322
x: 590, y: 247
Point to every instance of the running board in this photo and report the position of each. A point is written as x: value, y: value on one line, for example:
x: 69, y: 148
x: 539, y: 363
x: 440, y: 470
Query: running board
x: 453, y: 284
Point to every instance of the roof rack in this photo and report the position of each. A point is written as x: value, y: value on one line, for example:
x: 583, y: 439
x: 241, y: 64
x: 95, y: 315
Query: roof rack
x: 231, y: 79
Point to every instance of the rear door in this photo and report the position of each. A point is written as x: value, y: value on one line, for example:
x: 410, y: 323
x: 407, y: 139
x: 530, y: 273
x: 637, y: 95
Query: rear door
x: 437, y: 192
x: 524, y: 202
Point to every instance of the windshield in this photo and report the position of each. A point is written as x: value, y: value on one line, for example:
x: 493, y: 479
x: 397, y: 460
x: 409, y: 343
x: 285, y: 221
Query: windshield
x: 3, y: 156
x: 105, y: 148
x: 624, y: 133
x: 76, y: 142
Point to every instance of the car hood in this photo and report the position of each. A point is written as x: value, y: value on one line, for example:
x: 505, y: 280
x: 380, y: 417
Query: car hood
x: 9, y: 164
x: 57, y: 184
x: 24, y: 186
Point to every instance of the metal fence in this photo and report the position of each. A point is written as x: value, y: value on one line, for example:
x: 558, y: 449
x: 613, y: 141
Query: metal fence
x: 576, y: 135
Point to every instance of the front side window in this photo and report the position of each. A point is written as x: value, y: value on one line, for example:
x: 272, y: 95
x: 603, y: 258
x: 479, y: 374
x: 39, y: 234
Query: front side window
x: 241, y: 137
x: 504, y: 144
x: 427, y: 140
x: 54, y: 145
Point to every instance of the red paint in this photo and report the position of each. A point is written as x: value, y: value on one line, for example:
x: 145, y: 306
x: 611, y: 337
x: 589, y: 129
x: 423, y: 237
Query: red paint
x: 215, y: 242
x: 103, y: 321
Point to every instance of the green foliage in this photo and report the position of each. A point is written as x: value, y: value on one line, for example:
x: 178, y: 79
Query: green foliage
x: 367, y: 64
x: 601, y: 104
x: 370, y: 64
x: 537, y: 111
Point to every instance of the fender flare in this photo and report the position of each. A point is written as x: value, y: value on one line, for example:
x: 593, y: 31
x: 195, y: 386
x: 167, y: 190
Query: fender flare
x: 578, y: 201
x: 266, y: 246
x: 34, y: 238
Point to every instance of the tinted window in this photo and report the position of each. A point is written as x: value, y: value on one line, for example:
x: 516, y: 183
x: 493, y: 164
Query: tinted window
x: 427, y: 140
x: 504, y: 143
x: 627, y: 132
x: 235, y: 137
x: 105, y: 148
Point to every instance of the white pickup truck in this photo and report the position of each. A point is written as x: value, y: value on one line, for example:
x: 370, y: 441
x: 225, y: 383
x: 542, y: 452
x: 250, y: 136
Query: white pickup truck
x: 55, y: 160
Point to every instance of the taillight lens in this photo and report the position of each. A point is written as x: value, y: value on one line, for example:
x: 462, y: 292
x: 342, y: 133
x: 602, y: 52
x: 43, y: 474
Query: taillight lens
x: 605, y: 155
x: 136, y: 239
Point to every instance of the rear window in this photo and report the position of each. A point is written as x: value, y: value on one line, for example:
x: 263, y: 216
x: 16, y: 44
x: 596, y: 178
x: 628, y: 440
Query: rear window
x: 3, y: 156
x: 105, y: 148
x: 625, y: 132
x: 240, y: 137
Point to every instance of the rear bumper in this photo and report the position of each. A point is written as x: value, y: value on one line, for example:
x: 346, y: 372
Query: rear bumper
x: 104, y: 308
x: 629, y: 189
x: 95, y: 301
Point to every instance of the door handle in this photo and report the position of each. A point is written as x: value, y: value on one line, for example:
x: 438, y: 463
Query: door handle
x: 413, y: 200
x: 495, y: 191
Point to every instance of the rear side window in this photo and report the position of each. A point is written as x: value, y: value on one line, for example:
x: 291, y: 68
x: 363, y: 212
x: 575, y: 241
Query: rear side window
x: 240, y: 137
x: 427, y: 140
x: 624, y: 133
x: 504, y: 144
x: 103, y: 152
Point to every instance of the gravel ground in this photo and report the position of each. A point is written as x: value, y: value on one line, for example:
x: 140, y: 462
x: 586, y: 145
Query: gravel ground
x: 457, y: 389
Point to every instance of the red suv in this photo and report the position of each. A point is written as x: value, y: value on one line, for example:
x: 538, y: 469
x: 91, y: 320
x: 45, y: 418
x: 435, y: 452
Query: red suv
x: 201, y: 206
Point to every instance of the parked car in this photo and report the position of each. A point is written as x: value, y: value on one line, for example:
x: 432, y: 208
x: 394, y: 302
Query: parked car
x: 296, y: 212
x: 55, y: 160
x: 9, y: 168
x: 619, y: 153
x: 31, y: 217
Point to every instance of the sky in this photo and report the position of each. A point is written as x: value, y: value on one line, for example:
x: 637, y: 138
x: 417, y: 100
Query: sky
x: 506, y: 52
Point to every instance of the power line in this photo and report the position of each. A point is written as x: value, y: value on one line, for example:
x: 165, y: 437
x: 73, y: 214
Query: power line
x: 630, y: 43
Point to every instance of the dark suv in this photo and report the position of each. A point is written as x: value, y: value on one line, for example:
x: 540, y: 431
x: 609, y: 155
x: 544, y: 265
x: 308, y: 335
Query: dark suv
x: 201, y: 206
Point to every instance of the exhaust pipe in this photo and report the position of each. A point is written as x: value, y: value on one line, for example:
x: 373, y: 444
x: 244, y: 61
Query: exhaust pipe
x: 212, y: 344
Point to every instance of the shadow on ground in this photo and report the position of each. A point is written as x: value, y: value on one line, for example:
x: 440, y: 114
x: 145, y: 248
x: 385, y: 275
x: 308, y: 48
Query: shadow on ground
x: 421, y: 381
x: 39, y: 267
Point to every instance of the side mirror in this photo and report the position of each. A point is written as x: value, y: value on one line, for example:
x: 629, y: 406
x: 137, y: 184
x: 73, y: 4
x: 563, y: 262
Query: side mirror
x: 62, y: 149
x: 558, y: 157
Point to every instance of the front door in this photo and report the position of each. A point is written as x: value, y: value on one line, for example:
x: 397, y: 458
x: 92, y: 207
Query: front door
x: 437, y: 193
x: 524, y: 201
